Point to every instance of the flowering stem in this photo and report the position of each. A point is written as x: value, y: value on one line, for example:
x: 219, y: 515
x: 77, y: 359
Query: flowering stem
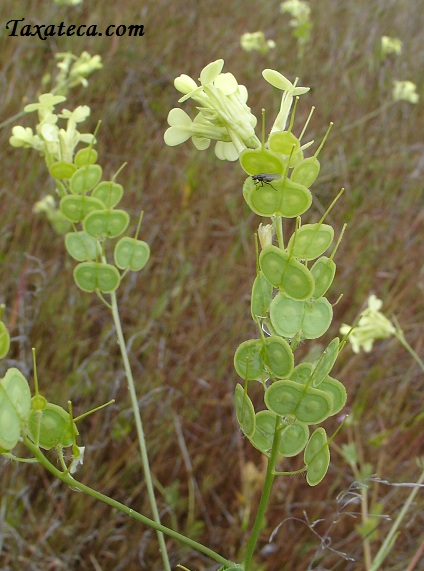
x: 66, y: 478
x: 140, y: 431
x: 266, y: 492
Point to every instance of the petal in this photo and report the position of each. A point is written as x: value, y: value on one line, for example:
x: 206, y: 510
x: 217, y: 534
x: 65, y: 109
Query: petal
x: 211, y: 71
x: 227, y: 83
x: 179, y: 118
x: 226, y: 151
x: 277, y: 79
x: 175, y: 136
x: 184, y: 83
x: 201, y: 143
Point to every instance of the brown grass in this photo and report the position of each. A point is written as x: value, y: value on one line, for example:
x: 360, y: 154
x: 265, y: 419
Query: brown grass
x: 188, y: 310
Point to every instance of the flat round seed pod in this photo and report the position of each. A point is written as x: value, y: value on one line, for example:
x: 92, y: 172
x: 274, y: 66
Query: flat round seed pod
x: 81, y: 246
x: 92, y: 276
x: 293, y: 439
x: 15, y: 405
x: 317, y: 318
x: 278, y: 356
x: 295, y: 198
x: 283, y: 142
x: 87, y: 156
x: 306, y: 171
x: 286, y: 273
x: 310, y: 241
x: 262, y: 199
x: 323, y: 272
x: 324, y: 365
x: 4, y: 340
x: 244, y: 411
x: 248, y: 360
x: 109, y: 192
x: 286, y: 315
x: 304, y: 403
x: 85, y: 179
x: 317, y: 457
x: 336, y: 390
x: 76, y: 208
x: 51, y: 426
x: 301, y: 373
x: 261, y: 297
x: 106, y: 223
x: 255, y: 161
x: 263, y: 436
x: 62, y: 170
x: 131, y: 254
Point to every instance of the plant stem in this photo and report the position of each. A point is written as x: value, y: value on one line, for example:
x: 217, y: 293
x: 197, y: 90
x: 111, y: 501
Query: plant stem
x: 401, y: 338
x: 266, y: 492
x: 66, y: 478
x: 391, y: 537
x: 140, y: 431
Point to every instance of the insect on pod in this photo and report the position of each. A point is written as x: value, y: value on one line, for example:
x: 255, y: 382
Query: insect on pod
x: 265, y: 178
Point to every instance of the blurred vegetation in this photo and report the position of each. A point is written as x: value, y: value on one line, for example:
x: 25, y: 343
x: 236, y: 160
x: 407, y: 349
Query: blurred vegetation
x: 186, y: 313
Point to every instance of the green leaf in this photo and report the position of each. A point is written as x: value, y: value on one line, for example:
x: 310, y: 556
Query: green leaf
x: 76, y: 208
x: 244, y: 411
x: 85, y: 179
x: 307, y: 404
x: 286, y: 273
x: 91, y: 276
x: 15, y: 404
x: 106, y: 223
x: 310, y: 241
x: 317, y: 457
x: 131, y: 254
x: 81, y: 246
x: 51, y: 426
x: 109, y: 192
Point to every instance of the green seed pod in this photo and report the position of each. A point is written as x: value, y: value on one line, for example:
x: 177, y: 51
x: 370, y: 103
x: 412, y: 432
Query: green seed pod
x: 76, y: 208
x: 295, y: 199
x: 323, y: 272
x: 4, y: 340
x: 306, y: 404
x: 336, y: 390
x: 248, y: 360
x: 109, y: 192
x: 87, y: 156
x: 291, y: 317
x: 81, y: 246
x: 302, y: 373
x: 62, y: 170
x: 262, y: 199
x: 92, y: 276
x: 286, y: 273
x: 264, y: 431
x: 311, y: 241
x: 306, y: 171
x: 255, y: 161
x: 283, y: 143
x: 244, y: 411
x: 293, y: 439
x: 317, y: 457
x: 51, y: 427
x: 324, y: 365
x: 131, y: 254
x: 106, y: 223
x: 261, y: 297
x: 15, y: 404
x: 278, y: 356
x: 85, y: 179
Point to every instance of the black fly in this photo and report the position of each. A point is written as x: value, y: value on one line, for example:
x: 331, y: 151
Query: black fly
x: 265, y: 178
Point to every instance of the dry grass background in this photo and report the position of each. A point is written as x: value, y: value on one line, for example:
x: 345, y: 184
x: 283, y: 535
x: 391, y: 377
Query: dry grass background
x: 189, y: 309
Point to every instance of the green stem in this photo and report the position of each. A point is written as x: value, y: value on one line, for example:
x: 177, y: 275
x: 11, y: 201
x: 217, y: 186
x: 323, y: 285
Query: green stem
x: 140, y: 431
x: 390, y: 539
x: 66, y: 478
x: 400, y: 337
x: 266, y: 492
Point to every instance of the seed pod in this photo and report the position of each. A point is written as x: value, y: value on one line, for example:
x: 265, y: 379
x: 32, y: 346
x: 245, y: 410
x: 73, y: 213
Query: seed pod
x: 293, y: 438
x: 324, y: 365
x: 249, y: 362
x: 278, y: 356
x: 51, y: 426
x: 261, y: 297
x: 85, y: 179
x: 264, y: 431
x: 76, y: 208
x: 310, y: 241
x: 62, y: 170
x: 336, y: 390
x: 254, y: 161
x: 306, y: 171
x: 92, y: 276
x: 81, y: 246
x: 323, y: 272
x: 290, y: 317
x: 15, y: 405
x: 87, y: 156
x: 283, y: 143
x: 244, y: 411
x: 317, y: 457
x: 109, y: 192
x: 106, y: 223
x: 131, y: 254
x: 4, y: 340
